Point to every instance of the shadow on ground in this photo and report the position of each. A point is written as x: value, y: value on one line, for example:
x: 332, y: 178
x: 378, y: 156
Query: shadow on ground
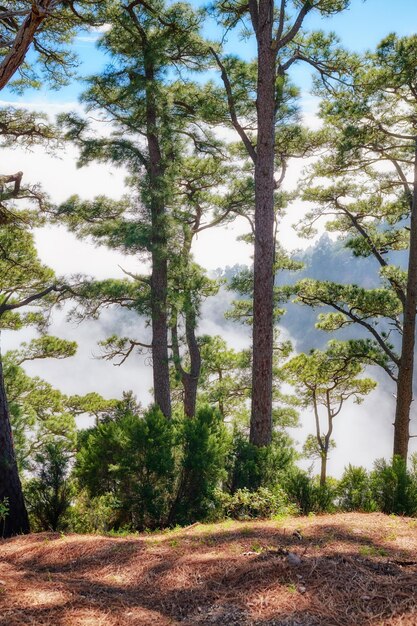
x: 349, y: 570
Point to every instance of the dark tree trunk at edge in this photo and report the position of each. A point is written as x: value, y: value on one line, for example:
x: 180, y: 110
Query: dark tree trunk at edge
x: 16, y: 521
x: 406, y: 369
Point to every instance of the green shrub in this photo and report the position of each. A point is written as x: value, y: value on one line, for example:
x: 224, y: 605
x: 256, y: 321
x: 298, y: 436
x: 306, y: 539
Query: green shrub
x: 131, y: 461
x: 93, y: 515
x: 355, y: 493
x: 48, y: 495
x: 4, y: 512
x: 299, y: 488
x: 251, y: 467
x: 394, y: 489
x: 324, y: 497
x: 307, y: 493
x: 245, y: 504
x: 205, y: 444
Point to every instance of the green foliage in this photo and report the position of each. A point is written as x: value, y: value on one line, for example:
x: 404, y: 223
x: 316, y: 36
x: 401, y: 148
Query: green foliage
x: 98, y: 514
x: 244, y: 504
x: 205, y: 444
x: 44, y: 347
x: 324, y: 496
x: 4, y: 512
x: 49, y: 493
x: 22, y: 277
x: 355, y: 492
x: 308, y: 495
x: 297, y: 485
x: 252, y: 467
x: 39, y: 413
x: 224, y: 376
x: 51, y: 59
x: 132, y: 461
x: 393, y: 488
x: 152, y: 471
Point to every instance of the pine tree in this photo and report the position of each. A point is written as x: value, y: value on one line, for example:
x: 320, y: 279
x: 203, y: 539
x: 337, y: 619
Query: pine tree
x: 371, y: 199
x: 256, y: 95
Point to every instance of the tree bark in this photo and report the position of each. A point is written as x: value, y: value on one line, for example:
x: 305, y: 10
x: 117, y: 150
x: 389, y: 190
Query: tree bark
x: 263, y: 288
x: 16, y: 521
x: 323, y: 469
x: 189, y: 380
x: 23, y: 40
x: 191, y: 385
x: 159, y: 275
x: 406, y: 368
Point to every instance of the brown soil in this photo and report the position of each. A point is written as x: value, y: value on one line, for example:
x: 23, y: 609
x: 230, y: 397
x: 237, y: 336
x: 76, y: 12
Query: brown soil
x: 338, y: 570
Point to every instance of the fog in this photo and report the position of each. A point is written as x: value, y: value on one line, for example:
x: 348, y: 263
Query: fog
x: 362, y: 432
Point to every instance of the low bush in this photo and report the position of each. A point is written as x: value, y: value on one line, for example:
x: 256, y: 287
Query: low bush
x: 131, y: 462
x: 393, y: 487
x: 49, y: 493
x: 98, y: 514
x: 306, y: 493
x: 245, y: 504
x: 355, y: 492
x: 251, y: 467
x: 205, y: 443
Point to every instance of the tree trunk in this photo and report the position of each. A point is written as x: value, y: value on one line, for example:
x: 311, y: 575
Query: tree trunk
x: 16, y: 521
x: 160, y: 362
x: 23, y: 40
x: 189, y: 380
x: 191, y: 386
x: 406, y: 368
x: 263, y: 291
x: 323, y: 469
x: 159, y: 276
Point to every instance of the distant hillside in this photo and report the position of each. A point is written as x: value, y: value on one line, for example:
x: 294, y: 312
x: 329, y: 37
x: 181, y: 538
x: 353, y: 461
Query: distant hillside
x: 325, y: 260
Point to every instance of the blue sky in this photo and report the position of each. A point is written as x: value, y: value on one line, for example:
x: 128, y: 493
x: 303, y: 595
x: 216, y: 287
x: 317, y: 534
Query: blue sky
x: 360, y: 27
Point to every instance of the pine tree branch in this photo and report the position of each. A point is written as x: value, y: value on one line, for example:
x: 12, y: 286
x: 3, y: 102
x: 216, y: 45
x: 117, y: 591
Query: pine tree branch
x: 232, y: 108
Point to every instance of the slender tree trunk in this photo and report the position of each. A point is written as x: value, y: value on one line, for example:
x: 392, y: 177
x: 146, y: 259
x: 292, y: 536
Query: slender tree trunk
x: 189, y: 380
x: 323, y: 468
x: 195, y: 364
x: 17, y: 521
x: 221, y: 399
x: 190, y: 396
x: 263, y: 292
x: 406, y: 369
x: 159, y: 276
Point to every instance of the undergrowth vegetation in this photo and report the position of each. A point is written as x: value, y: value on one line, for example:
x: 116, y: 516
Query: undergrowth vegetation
x: 135, y: 472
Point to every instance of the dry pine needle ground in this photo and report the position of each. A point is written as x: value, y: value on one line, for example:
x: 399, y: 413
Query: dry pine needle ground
x: 339, y: 570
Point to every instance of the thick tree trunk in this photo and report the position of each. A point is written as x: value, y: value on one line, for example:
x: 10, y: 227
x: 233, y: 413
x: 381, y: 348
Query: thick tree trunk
x: 16, y: 521
x: 159, y: 276
x: 263, y: 291
x: 406, y: 368
x: 160, y: 362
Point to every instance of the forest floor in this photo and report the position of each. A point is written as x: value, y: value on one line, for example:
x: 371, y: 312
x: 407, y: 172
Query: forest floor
x: 331, y: 570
